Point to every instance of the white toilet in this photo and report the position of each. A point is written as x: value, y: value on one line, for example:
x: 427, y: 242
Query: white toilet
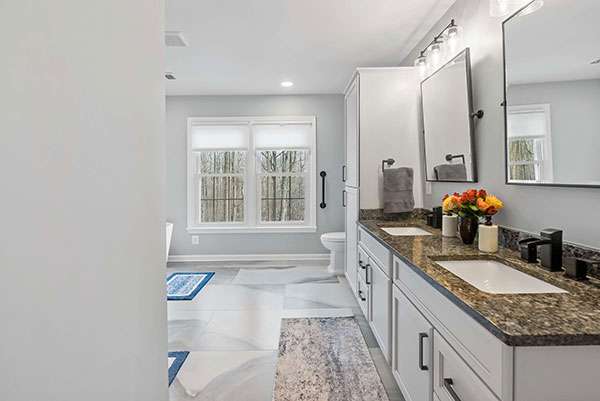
x: 336, y: 243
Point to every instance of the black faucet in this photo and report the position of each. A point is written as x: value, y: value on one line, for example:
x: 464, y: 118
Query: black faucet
x: 550, y: 249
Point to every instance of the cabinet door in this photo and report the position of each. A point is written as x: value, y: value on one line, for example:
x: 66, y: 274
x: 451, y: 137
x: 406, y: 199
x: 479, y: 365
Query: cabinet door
x: 380, y: 307
x: 412, y: 343
x: 352, y: 127
x: 350, y: 199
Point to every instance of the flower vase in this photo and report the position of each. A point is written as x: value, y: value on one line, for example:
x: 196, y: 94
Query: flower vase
x: 468, y: 229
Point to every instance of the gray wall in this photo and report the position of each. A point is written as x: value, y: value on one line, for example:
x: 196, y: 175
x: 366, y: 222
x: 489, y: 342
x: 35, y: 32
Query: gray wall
x: 82, y: 295
x: 528, y: 208
x: 575, y: 125
x: 329, y: 110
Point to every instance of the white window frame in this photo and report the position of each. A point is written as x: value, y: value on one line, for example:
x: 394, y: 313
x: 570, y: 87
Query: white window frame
x: 545, y: 165
x: 252, y: 223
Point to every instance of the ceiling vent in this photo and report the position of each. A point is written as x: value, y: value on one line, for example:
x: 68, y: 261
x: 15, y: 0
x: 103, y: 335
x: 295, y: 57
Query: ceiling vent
x: 170, y: 76
x: 595, y: 62
x: 175, y: 39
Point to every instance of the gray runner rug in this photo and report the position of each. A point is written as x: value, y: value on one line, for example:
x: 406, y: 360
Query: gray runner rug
x: 325, y: 359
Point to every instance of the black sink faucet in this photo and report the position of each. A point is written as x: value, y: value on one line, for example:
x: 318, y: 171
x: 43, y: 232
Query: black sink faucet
x: 551, y: 245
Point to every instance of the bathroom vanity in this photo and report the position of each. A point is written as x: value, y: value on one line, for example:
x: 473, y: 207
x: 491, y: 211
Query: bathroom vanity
x: 448, y: 337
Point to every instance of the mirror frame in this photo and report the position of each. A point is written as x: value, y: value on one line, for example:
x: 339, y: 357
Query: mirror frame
x: 505, y: 106
x: 466, y: 52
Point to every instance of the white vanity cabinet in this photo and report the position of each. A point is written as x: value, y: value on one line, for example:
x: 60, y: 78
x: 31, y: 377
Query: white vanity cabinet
x: 375, y: 284
x: 412, y: 346
x: 350, y: 202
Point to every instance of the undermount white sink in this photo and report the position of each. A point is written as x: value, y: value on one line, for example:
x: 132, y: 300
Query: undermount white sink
x: 406, y: 231
x: 497, y: 278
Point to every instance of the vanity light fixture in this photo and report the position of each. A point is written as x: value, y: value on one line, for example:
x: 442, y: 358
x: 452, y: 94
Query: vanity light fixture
x: 443, y: 47
x: 421, y: 64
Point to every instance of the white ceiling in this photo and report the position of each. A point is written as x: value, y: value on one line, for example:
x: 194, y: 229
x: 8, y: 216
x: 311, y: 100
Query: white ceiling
x: 250, y: 46
x: 555, y: 43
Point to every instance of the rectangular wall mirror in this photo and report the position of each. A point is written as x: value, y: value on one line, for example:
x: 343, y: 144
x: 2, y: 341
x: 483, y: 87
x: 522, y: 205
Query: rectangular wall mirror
x: 552, y: 94
x: 447, y: 123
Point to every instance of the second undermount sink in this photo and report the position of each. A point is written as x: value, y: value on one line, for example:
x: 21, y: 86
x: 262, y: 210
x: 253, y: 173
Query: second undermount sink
x: 494, y: 277
x: 405, y: 231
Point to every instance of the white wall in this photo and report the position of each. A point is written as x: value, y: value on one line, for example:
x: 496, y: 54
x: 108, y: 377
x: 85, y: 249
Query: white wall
x: 575, y: 123
x: 82, y: 294
x: 329, y: 110
x: 528, y: 208
x: 388, y: 129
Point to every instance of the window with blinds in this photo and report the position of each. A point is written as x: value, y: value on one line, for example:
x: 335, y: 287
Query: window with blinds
x: 529, y: 143
x: 251, y: 174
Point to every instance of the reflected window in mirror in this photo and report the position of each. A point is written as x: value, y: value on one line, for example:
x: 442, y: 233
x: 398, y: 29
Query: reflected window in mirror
x: 529, y: 143
x: 552, y: 101
x: 447, y: 123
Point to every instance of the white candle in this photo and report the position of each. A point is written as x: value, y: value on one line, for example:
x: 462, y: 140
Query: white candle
x: 449, y: 226
x: 488, y: 238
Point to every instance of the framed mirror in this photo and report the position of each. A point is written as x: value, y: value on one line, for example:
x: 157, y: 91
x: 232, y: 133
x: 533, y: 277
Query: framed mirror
x: 448, y: 137
x: 552, y: 94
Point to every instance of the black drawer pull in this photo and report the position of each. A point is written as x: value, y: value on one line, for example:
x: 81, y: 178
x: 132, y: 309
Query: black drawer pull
x: 367, y: 274
x: 422, y: 336
x: 448, y: 386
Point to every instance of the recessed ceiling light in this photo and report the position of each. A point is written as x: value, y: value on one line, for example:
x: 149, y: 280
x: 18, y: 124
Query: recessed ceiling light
x: 287, y: 84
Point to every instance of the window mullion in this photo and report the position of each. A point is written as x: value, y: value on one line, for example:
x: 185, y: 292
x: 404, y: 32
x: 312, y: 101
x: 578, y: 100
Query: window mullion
x: 251, y: 184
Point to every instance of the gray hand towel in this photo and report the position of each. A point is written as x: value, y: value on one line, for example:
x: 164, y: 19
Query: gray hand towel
x: 451, y: 172
x: 398, y: 190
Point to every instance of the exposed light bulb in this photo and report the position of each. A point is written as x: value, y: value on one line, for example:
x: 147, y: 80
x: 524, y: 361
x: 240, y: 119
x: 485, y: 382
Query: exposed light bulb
x: 421, y: 64
x: 453, y: 40
x: 436, y: 54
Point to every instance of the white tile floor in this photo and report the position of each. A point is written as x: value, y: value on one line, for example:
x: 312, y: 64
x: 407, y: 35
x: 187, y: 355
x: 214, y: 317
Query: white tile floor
x: 231, y: 328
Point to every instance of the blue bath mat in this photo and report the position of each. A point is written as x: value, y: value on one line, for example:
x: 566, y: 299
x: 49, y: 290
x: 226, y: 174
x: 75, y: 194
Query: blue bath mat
x: 185, y: 286
x: 176, y: 359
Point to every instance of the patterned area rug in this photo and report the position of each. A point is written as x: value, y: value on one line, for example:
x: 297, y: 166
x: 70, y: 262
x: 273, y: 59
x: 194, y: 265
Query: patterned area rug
x: 176, y: 360
x: 185, y: 286
x: 325, y: 359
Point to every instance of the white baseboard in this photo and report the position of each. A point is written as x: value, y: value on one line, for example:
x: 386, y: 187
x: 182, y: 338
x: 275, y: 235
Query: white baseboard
x: 320, y: 257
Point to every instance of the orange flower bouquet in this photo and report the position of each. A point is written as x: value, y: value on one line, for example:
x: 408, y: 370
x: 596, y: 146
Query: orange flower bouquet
x: 471, y: 206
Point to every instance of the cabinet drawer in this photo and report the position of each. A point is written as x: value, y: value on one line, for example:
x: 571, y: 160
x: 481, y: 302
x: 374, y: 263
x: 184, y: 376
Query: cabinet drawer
x: 483, y: 352
x: 363, y: 262
x: 362, y: 295
x: 378, y: 252
x: 453, y: 380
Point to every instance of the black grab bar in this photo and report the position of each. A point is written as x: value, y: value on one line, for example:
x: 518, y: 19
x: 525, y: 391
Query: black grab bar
x: 323, y: 205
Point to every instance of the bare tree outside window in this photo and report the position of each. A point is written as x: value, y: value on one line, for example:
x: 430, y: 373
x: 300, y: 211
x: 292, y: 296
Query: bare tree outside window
x: 221, y: 186
x: 282, y: 185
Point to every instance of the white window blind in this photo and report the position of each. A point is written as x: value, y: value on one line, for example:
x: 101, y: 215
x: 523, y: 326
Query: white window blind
x: 530, y: 123
x: 282, y: 136
x: 219, y: 137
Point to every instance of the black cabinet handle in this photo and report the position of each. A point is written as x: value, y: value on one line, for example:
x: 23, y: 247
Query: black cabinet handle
x: 422, y: 336
x: 448, y: 386
x: 360, y: 296
x: 360, y: 263
x: 367, y: 274
x: 344, y: 173
x: 323, y: 205
x: 344, y: 198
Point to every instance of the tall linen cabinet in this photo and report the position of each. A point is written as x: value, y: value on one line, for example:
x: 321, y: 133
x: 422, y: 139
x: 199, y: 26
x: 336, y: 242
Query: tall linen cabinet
x: 381, y: 112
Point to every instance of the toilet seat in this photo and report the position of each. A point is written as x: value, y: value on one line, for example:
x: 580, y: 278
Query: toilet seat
x: 334, y: 237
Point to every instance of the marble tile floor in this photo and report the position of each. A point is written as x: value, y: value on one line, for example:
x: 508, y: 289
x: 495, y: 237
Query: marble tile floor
x: 232, y: 327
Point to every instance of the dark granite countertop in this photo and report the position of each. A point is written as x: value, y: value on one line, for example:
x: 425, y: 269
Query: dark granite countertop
x: 571, y: 318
